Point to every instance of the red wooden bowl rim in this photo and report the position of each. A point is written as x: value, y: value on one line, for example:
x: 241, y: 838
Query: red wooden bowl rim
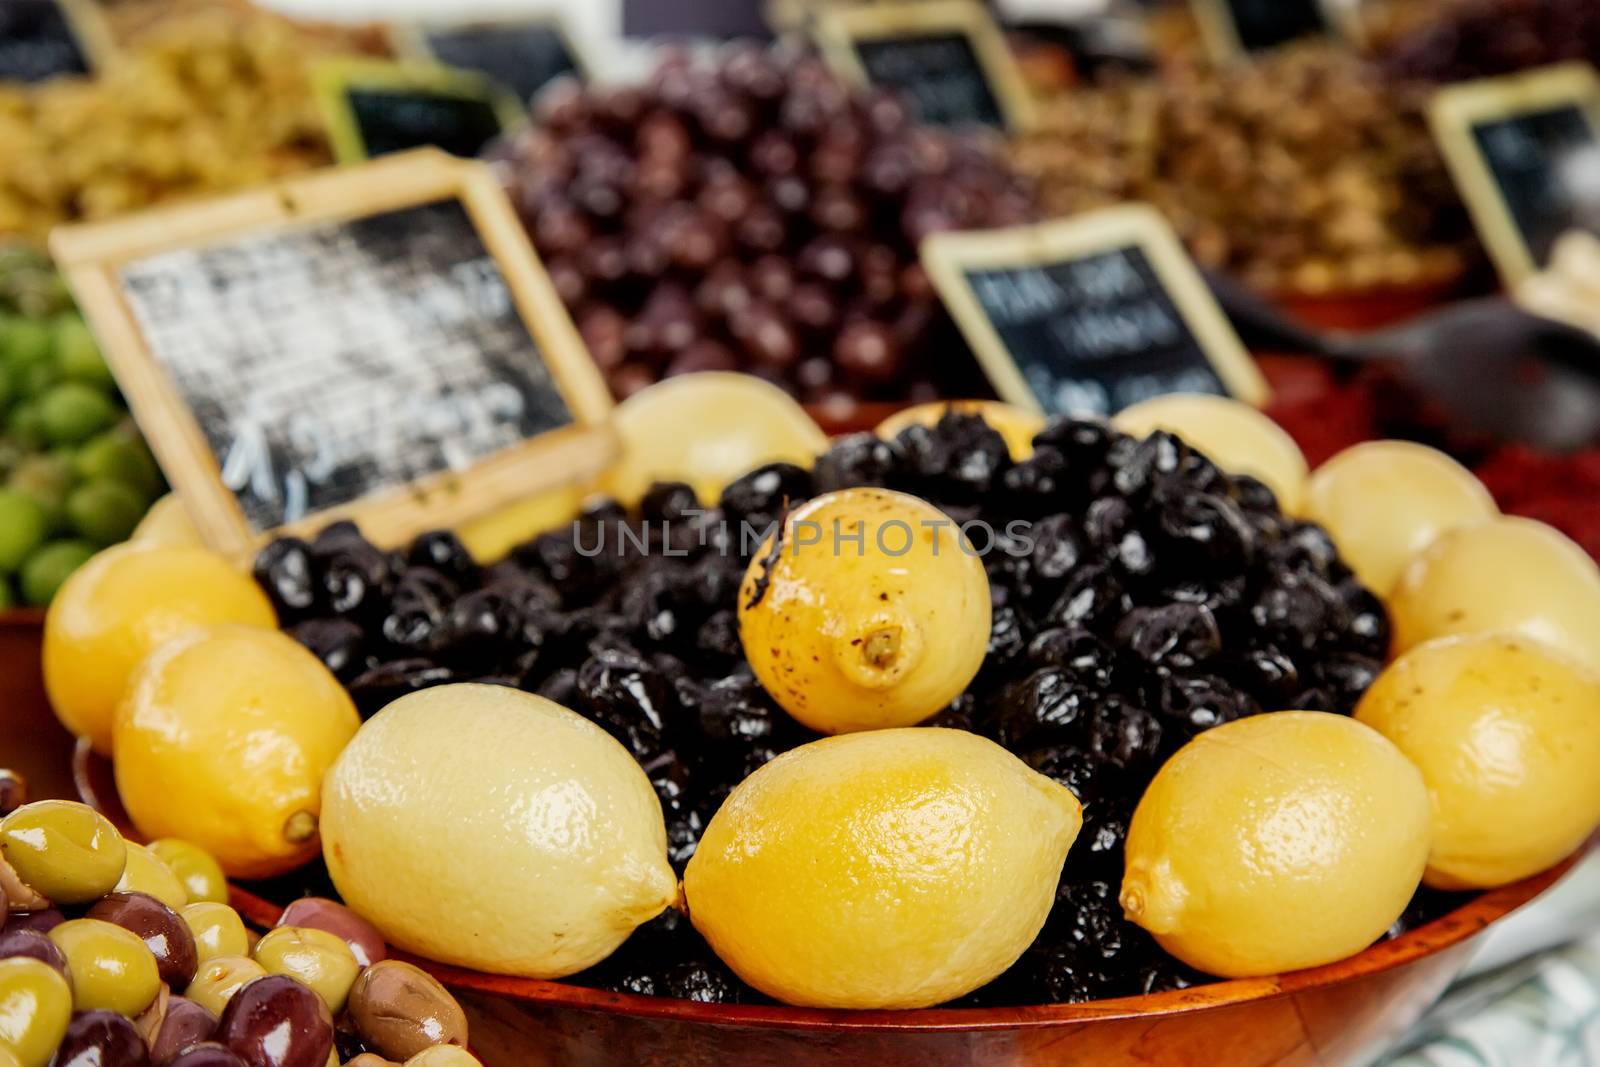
x: 1452, y: 929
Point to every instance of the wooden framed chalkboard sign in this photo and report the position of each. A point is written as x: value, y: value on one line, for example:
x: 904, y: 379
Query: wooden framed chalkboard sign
x: 377, y: 343
x: 1235, y: 28
x: 41, y: 39
x: 374, y: 107
x: 1525, y: 153
x: 946, y: 57
x: 1090, y: 314
x: 522, y: 56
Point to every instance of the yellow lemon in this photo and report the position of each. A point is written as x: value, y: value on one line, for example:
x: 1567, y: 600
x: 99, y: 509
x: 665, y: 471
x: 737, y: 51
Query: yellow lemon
x: 1505, y: 574
x: 892, y: 869
x: 121, y: 606
x: 1017, y: 425
x: 492, y: 537
x: 167, y: 523
x: 1276, y: 842
x: 871, y: 610
x: 707, y: 429
x: 1230, y: 433
x: 223, y: 740
x: 494, y: 829
x: 1507, y: 734
x: 1383, y: 502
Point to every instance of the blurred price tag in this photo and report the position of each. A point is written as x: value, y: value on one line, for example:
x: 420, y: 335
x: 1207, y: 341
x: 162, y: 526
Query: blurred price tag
x: 947, y: 58
x: 377, y: 343
x: 41, y: 39
x: 1525, y: 153
x: 1232, y: 28
x: 373, y: 108
x: 1091, y: 314
x: 524, y: 57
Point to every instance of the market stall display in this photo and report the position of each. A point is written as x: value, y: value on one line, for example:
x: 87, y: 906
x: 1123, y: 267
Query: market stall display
x: 77, y: 476
x: 752, y: 212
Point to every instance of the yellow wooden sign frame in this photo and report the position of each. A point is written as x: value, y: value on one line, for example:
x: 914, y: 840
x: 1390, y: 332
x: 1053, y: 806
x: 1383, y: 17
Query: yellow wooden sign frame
x: 838, y: 27
x: 410, y: 39
x: 1220, y: 32
x: 949, y: 257
x: 1454, y: 113
x: 91, y: 256
x: 333, y: 79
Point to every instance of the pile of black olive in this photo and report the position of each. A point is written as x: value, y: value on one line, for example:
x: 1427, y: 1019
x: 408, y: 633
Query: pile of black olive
x: 1160, y: 597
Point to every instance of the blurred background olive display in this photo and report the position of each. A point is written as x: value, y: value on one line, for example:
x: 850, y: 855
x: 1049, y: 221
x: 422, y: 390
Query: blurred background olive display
x: 377, y: 109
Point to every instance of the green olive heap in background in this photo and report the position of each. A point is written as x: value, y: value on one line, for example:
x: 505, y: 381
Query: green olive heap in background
x: 74, y: 474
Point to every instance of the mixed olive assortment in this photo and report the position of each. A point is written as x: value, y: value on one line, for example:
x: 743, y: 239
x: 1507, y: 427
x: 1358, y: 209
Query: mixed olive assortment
x: 117, y: 955
x: 1305, y: 170
x: 1156, y: 597
x: 1485, y: 38
x: 753, y: 212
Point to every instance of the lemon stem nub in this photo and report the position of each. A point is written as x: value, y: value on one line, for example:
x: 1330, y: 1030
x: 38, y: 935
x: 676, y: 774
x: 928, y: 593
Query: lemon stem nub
x: 300, y: 827
x: 881, y: 647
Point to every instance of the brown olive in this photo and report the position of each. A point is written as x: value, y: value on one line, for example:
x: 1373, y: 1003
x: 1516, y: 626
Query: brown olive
x: 163, y: 931
x: 19, y: 941
x: 186, y: 1024
x: 13, y: 790
x: 401, y: 1010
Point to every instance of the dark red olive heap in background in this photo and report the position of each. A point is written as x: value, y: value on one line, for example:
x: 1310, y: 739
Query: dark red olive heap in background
x: 752, y: 212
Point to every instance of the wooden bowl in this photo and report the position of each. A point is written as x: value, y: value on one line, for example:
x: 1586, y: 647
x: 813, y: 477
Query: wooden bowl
x: 1328, y: 1016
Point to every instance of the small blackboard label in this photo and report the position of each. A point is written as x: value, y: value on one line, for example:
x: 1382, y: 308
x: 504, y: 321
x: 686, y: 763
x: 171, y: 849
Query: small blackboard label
x: 41, y: 39
x: 376, y: 109
x: 1525, y: 152
x: 1232, y: 27
x: 524, y: 57
x: 338, y: 356
x: 1089, y: 315
x: 946, y: 58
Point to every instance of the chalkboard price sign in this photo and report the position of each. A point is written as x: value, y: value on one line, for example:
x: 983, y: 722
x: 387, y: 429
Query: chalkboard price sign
x: 947, y: 58
x: 375, y: 108
x: 523, y: 57
x: 377, y: 343
x: 1235, y: 27
x: 1525, y: 153
x: 1089, y: 315
x: 40, y: 39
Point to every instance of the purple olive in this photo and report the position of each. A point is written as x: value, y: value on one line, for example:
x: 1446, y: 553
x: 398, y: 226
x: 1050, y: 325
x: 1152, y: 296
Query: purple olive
x: 13, y: 790
x: 277, y: 1022
x: 186, y: 1025
x: 101, y: 1039
x: 19, y: 941
x: 164, y: 933
x: 320, y: 913
x: 208, y: 1054
x: 42, y: 921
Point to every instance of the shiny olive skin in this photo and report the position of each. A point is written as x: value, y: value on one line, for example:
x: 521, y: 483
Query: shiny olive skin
x: 218, y: 931
x: 102, y: 1039
x: 277, y: 1022
x: 317, y: 959
x: 219, y: 979
x: 42, y: 921
x: 111, y: 968
x: 320, y: 913
x: 35, y: 1006
x: 162, y: 930
x: 67, y: 851
x: 19, y: 941
x: 147, y: 873
x: 209, y: 1054
x: 186, y: 1024
x: 196, y: 868
x: 400, y: 1010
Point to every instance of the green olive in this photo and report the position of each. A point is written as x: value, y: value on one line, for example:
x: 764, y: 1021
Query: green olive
x: 199, y: 872
x: 443, y: 1056
x: 219, y: 979
x: 67, y: 851
x: 111, y: 968
x: 314, y: 958
x: 218, y: 930
x: 35, y: 1007
x: 147, y: 873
